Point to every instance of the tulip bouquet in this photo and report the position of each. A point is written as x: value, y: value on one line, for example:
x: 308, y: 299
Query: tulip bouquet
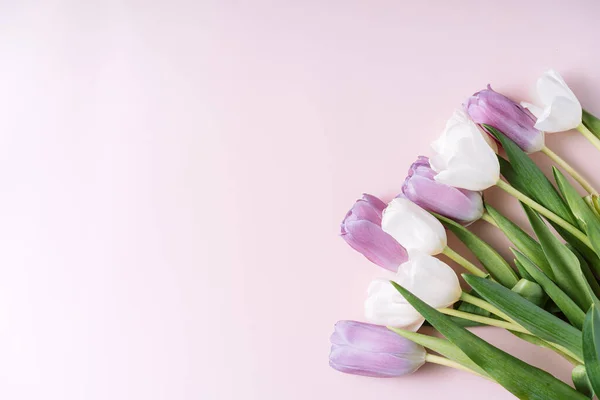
x: 548, y: 297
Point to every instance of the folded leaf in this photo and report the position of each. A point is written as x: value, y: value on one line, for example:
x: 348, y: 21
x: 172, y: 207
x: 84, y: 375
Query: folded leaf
x: 581, y: 381
x: 531, y: 291
x: 525, y: 243
x: 564, y: 263
x: 591, y: 347
x: 519, y: 378
x: 533, y: 318
x: 493, y: 262
x: 568, y: 307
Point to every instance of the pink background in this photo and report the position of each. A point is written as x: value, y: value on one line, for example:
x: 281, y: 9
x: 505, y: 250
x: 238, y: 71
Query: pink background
x: 173, y: 175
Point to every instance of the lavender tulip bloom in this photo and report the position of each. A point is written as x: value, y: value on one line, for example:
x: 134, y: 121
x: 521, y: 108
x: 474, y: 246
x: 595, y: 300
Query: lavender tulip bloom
x: 492, y: 108
x: 361, y: 229
x: 372, y: 350
x: 420, y: 187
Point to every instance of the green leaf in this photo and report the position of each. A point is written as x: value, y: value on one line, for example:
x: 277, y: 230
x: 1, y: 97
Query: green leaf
x: 523, y: 271
x: 529, y: 179
x: 591, y: 122
x: 564, y: 263
x: 441, y: 346
x: 581, y: 381
x: 586, y: 219
x: 587, y: 272
x: 533, y: 318
x: 589, y: 254
x: 560, y: 298
x: 591, y: 347
x: 526, y: 382
x: 525, y: 243
x: 493, y: 262
x: 516, y: 180
x: 539, y: 342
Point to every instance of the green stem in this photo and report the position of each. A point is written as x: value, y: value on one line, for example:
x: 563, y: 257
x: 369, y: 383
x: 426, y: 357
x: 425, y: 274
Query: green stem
x: 446, y: 362
x: 467, y: 298
x: 483, y: 320
x: 589, y: 135
x: 468, y: 265
x: 489, y: 219
x: 545, y: 212
x: 570, y: 170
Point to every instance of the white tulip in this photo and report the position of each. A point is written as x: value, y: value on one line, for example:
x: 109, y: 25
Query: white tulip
x: 561, y: 110
x: 463, y: 158
x: 426, y: 277
x: 413, y: 227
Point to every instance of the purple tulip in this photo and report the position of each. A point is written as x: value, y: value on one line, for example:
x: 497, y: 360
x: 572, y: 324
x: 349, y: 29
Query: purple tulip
x: 372, y: 350
x: 420, y: 187
x: 492, y: 108
x: 361, y: 229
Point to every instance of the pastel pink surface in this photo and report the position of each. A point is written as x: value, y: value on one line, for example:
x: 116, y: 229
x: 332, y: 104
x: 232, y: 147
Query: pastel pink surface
x: 174, y: 174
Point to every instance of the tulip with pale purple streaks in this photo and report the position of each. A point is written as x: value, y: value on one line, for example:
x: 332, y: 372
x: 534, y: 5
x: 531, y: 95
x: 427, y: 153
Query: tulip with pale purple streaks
x: 517, y: 123
x: 420, y: 187
x: 371, y: 350
x: 361, y: 229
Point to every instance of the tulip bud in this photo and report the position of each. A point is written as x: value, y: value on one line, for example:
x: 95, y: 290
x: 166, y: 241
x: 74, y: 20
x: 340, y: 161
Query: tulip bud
x: 426, y: 277
x: 420, y: 187
x: 561, y: 110
x: 492, y: 108
x: 463, y: 158
x: 361, y: 229
x: 370, y: 350
x: 413, y: 227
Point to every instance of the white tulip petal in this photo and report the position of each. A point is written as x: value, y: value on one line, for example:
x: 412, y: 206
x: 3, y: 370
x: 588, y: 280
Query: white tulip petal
x: 562, y: 115
x: 413, y: 227
x: 426, y: 277
x: 561, y: 109
x: 464, y: 158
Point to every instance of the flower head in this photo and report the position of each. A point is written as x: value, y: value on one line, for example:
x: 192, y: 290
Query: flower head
x: 361, y: 229
x: 371, y: 350
x: 421, y: 188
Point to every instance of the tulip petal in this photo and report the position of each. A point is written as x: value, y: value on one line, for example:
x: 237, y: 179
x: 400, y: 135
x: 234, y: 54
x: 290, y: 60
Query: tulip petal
x: 413, y: 227
x: 376, y: 245
x: 463, y: 157
x: 561, y: 115
x: 363, y: 210
x: 492, y: 108
x: 375, y: 202
x: 561, y: 109
x: 458, y: 204
x: 434, y: 282
x: 378, y: 365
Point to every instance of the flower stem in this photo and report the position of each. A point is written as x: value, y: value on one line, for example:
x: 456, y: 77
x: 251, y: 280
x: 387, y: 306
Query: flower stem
x: 570, y: 170
x: 467, y: 298
x: 446, y: 362
x: 488, y: 218
x: 468, y: 265
x: 545, y: 212
x: 589, y: 135
x: 483, y: 320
